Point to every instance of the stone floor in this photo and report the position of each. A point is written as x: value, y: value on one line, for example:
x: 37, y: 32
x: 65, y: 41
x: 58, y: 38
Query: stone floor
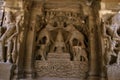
x: 54, y: 78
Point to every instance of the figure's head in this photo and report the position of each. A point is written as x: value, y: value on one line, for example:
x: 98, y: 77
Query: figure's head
x: 8, y: 17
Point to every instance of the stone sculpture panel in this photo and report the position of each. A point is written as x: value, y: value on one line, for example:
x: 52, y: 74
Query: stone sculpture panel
x: 60, y: 45
x: 12, y: 37
x: 112, y: 48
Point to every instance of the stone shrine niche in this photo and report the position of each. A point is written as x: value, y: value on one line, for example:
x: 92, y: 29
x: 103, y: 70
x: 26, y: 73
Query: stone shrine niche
x: 111, y: 41
x: 61, y: 44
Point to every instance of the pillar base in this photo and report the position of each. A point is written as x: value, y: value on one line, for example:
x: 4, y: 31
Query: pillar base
x: 93, y: 78
x: 103, y: 78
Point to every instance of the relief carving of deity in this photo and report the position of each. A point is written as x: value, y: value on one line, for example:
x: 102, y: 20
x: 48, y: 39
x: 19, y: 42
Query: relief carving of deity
x: 12, y: 36
x: 112, y: 38
x: 59, y: 36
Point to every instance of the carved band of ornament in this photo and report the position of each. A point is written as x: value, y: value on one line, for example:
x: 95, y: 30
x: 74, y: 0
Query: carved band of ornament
x: 62, y: 68
x: 14, y: 8
x: 64, y: 10
x: 64, y: 13
x: 60, y: 1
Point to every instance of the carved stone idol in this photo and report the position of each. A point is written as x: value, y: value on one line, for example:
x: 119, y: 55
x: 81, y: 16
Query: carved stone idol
x: 59, y: 45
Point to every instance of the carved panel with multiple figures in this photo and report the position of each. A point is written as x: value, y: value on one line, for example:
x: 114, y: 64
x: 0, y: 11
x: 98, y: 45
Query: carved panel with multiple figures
x: 111, y: 39
x: 61, y: 44
x: 58, y: 34
x: 53, y: 38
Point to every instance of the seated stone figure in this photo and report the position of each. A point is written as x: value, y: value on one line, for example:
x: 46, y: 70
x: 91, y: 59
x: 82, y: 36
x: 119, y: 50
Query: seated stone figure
x: 59, y: 44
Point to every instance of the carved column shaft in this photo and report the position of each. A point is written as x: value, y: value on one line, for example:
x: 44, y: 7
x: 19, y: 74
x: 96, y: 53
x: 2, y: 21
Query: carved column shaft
x: 22, y: 56
x: 30, y: 42
x: 93, y: 70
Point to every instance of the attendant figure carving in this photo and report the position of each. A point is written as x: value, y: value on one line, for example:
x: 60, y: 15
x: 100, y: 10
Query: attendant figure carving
x: 43, y: 42
x: 18, y: 35
x: 111, y: 51
x: 78, y: 48
x: 79, y: 54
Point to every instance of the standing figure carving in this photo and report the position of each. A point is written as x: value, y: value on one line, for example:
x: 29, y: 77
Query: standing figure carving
x: 79, y: 54
x: 43, y: 42
x: 111, y: 38
x: 111, y: 51
x: 10, y: 36
x: 7, y: 37
x: 79, y: 48
x: 18, y: 36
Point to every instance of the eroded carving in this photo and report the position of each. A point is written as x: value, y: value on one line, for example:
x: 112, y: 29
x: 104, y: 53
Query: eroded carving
x: 111, y: 37
x: 12, y: 36
x: 9, y: 24
x: 111, y: 44
x: 43, y: 43
x: 61, y: 39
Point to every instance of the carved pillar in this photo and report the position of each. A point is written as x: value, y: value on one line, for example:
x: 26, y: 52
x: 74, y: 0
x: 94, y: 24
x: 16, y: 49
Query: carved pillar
x: 30, y: 41
x: 94, y: 60
x: 99, y: 33
x: 103, y: 68
x: 22, y: 56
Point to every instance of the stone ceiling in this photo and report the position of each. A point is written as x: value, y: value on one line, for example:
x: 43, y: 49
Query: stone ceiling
x: 110, y: 4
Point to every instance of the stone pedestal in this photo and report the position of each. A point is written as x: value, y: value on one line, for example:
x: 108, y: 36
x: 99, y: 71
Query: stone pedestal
x: 6, y: 71
x: 61, y: 69
x: 113, y: 72
x: 58, y: 56
x: 60, y: 66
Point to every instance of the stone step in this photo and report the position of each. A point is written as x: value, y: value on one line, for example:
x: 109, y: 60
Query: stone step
x: 6, y: 71
x: 58, y: 56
